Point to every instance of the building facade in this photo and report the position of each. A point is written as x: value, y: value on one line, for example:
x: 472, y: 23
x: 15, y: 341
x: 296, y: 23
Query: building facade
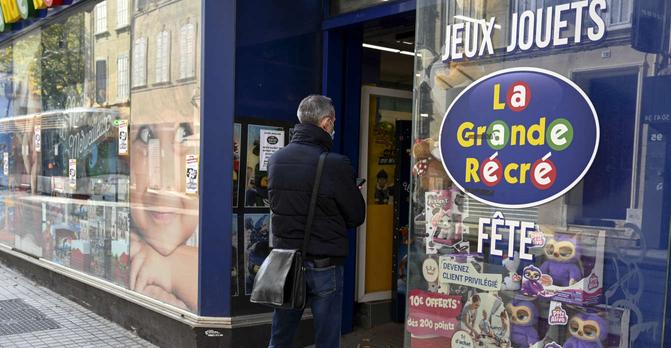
x: 119, y: 187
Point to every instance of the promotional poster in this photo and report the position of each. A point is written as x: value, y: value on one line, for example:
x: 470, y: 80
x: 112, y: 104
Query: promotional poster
x: 256, y: 187
x: 257, y: 247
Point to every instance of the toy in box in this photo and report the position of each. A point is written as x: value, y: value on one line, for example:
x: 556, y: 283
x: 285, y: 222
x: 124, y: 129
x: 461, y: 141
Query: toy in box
x: 568, y: 267
x: 64, y: 234
x: 585, y: 327
x: 80, y: 255
x: 120, y: 262
x: 444, y: 216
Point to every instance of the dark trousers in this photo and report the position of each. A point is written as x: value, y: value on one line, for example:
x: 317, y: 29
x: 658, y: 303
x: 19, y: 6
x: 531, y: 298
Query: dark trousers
x: 325, y: 287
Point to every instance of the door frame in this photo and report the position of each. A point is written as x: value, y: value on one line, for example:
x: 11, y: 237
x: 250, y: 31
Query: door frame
x: 366, y: 92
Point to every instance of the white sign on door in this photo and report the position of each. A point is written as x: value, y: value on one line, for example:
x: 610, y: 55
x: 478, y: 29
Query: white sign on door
x: 271, y: 141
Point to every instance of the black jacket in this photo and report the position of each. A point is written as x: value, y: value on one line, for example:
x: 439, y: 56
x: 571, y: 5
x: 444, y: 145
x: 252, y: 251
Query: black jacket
x: 340, y: 206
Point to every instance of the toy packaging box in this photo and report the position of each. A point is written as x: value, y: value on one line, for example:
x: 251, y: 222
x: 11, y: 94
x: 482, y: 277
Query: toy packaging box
x: 444, y: 215
x: 568, y: 267
x: 571, y: 326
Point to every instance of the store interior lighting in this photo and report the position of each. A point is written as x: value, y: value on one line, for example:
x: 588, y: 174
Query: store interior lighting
x: 389, y: 49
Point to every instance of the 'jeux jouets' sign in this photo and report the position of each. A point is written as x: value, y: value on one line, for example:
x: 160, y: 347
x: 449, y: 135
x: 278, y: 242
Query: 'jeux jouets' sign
x: 519, y: 137
x: 552, y: 26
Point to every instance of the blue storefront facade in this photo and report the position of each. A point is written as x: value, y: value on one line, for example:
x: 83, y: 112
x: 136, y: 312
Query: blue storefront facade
x: 118, y: 171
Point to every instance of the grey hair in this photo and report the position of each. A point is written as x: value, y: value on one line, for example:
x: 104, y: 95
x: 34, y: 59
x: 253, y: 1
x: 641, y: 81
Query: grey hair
x: 314, y: 108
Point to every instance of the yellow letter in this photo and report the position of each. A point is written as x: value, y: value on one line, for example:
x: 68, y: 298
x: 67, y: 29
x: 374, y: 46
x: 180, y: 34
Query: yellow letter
x: 518, y: 132
x: 523, y: 172
x: 497, y: 97
x: 482, y: 132
x: 538, y: 129
x: 465, y: 129
x: 509, y: 168
x: 472, y: 166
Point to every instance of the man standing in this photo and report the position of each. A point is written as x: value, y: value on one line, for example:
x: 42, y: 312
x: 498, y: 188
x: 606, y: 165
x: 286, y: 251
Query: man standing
x: 340, y: 206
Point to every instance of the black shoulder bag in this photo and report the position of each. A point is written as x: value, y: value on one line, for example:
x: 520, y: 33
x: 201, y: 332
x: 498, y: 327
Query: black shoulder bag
x: 280, y: 282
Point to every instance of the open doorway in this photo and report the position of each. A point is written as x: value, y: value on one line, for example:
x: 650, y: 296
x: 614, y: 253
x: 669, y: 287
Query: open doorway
x: 384, y: 161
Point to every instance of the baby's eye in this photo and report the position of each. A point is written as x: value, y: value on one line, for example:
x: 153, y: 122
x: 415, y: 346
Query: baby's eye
x: 183, y: 131
x: 145, y: 134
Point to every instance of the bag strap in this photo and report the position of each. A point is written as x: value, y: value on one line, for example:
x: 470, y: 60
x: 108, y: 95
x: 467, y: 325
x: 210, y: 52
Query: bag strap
x: 313, y: 202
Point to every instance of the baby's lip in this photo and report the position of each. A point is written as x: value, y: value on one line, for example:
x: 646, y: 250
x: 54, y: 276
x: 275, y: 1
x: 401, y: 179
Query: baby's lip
x: 162, y: 217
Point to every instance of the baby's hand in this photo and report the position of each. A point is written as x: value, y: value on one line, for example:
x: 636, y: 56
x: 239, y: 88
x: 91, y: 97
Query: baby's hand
x: 148, y: 267
x: 158, y: 293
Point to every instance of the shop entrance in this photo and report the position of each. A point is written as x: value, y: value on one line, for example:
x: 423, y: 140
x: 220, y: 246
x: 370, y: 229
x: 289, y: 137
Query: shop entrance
x: 374, y: 77
x: 381, y: 241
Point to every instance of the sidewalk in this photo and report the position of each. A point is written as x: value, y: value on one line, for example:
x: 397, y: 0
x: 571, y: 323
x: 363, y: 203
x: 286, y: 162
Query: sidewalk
x: 34, y: 316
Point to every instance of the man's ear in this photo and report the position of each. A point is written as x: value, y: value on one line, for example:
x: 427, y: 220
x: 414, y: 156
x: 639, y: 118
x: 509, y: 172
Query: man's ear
x: 323, y: 124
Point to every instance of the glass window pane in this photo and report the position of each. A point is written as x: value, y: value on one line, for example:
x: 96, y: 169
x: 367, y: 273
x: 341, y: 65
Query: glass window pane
x: 94, y: 171
x: 589, y: 252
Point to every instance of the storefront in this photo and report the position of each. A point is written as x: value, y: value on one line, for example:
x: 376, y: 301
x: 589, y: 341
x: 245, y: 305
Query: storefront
x: 544, y: 221
x: 516, y: 154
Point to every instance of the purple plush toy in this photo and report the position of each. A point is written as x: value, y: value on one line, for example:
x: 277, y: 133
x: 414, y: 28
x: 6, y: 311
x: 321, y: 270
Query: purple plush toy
x: 524, y: 316
x: 587, y: 331
x: 531, y: 281
x: 562, y: 260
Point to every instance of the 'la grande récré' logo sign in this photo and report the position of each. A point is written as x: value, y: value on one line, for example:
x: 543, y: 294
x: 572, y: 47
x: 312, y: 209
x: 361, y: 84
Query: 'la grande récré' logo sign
x: 519, y: 137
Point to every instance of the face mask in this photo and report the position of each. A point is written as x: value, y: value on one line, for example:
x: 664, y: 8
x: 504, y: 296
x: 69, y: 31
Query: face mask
x: 333, y: 134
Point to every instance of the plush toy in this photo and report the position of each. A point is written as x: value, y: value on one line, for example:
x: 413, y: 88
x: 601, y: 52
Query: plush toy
x: 428, y: 167
x: 511, y: 263
x: 562, y: 263
x: 587, y: 330
x: 531, y: 281
x: 524, y: 316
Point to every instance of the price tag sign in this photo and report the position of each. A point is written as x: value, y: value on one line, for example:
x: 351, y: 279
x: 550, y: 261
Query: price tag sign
x: 72, y: 174
x: 192, y: 174
x: 38, y: 138
x: 433, y: 314
x: 123, y: 137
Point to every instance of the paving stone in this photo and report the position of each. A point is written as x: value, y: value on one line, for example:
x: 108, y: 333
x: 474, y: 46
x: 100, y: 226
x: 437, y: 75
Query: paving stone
x: 34, y: 316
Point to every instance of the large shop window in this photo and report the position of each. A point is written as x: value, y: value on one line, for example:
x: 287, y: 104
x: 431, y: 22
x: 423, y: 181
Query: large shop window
x: 96, y: 176
x: 542, y: 175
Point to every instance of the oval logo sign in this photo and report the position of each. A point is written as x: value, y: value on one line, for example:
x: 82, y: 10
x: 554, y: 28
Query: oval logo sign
x: 519, y: 137
x: 272, y: 140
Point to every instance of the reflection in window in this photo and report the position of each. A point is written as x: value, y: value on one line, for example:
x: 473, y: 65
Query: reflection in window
x: 101, y: 17
x: 619, y: 12
x: 140, y: 4
x: 524, y: 5
x: 140, y: 62
x: 187, y: 57
x: 163, y: 57
x: 122, y: 77
x: 101, y: 81
x: 122, y: 13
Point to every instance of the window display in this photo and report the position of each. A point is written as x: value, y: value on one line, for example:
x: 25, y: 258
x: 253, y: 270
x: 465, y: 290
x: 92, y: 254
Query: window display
x: 101, y: 183
x: 531, y: 225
